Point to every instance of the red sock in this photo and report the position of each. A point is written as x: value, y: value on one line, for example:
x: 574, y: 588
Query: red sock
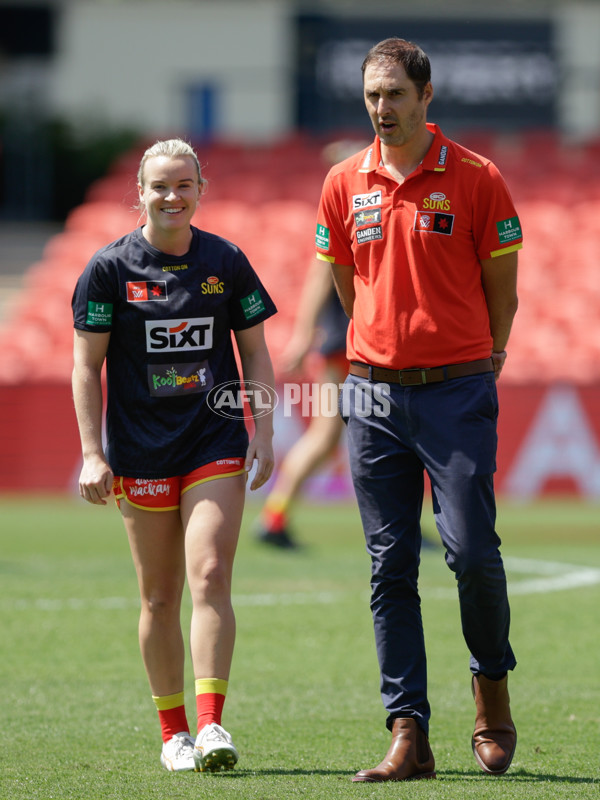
x: 274, y: 521
x: 210, y: 699
x: 172, y: 716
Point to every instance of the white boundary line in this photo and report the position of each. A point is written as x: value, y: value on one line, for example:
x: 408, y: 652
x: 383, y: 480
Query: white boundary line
x: 554, y: 577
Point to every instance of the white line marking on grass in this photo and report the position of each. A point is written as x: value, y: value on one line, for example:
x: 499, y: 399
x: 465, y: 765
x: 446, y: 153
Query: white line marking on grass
x: 287, y: 599
x: 71, y: 604
x: 555, y: 577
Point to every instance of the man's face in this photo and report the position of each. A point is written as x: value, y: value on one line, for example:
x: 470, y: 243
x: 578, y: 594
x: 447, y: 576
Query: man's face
x: 393, y: 103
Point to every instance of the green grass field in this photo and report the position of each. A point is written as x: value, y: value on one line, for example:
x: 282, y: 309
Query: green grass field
x: 77, y: 720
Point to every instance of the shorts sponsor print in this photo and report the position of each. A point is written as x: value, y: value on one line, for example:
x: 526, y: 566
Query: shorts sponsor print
x: 164, y: 494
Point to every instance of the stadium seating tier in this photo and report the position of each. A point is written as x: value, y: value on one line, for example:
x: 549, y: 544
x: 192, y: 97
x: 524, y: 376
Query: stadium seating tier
x: 264, y: 199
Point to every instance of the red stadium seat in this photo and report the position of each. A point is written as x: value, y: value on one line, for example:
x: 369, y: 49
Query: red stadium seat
x: 265, y: 198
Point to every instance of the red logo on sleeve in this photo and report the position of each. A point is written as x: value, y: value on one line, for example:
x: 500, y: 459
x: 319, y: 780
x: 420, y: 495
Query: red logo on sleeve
x: 144, y: 291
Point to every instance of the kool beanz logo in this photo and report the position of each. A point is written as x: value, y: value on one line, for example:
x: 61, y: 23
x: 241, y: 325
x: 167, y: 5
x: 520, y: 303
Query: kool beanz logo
x: 167, y: 380
x: 242, y: 400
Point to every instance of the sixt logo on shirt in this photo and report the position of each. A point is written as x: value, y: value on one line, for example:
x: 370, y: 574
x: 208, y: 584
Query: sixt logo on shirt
x: 177, y: 335
x: 143, y: 291
x: 366, y: 200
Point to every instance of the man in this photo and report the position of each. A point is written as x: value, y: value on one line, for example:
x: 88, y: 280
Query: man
x: 422, y: 238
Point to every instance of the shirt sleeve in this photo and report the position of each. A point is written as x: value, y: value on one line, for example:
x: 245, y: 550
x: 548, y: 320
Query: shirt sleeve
x: 95, y: 297
x: 332, y: 239
x: 496, y: 225
x: 250, y: 302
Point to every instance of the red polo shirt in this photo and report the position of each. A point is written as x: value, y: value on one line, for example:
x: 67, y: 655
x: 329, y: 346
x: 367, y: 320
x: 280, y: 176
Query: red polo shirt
x: 416, y: 251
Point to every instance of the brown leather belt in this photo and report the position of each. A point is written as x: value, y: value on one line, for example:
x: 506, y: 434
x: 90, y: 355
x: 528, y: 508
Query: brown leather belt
x: 418, y: 376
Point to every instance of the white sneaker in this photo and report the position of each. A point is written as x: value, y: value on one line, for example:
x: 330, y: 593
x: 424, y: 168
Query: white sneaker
x: 178, y: 753
x: 214, y: 749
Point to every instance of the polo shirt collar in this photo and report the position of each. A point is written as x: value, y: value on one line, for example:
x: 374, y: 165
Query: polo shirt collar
x: 435, y: 160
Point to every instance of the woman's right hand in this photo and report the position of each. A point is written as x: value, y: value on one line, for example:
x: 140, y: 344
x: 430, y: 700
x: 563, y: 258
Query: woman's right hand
x: 95, y: 480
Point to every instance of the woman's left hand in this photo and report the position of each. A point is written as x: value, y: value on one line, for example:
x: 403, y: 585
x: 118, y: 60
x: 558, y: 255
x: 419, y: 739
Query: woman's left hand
x: 260, y: 450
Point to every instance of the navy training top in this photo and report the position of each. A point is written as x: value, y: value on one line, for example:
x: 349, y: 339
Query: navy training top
x: 170, y: 320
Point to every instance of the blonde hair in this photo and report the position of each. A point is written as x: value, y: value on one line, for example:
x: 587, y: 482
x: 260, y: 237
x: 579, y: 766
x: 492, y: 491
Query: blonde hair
x: 172, y: 148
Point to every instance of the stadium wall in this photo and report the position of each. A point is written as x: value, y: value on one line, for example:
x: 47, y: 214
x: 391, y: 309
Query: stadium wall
x: 158, y: 65
x: 549, y: 442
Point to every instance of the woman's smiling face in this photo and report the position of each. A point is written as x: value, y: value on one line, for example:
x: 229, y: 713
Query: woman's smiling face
x: 170, y: 193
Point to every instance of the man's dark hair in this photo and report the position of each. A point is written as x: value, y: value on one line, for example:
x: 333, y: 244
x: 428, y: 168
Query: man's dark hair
x: 409, y: 55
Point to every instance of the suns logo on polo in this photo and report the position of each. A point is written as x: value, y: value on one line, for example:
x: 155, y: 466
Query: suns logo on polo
x: 437, y: 201
x: 212, y: 285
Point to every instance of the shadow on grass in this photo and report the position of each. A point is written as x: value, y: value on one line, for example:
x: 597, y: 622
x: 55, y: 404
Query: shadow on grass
x: 515, y: 776
x: 288, y: 773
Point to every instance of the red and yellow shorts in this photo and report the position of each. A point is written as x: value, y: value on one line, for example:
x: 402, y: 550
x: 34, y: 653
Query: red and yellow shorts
x: 163, y: 494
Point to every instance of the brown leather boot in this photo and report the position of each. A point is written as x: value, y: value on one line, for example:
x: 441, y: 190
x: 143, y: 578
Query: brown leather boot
x: 495, y: 737
x: 409, y: 757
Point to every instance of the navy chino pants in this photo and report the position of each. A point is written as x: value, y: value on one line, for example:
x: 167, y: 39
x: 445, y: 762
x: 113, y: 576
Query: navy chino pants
x: 395, y: 434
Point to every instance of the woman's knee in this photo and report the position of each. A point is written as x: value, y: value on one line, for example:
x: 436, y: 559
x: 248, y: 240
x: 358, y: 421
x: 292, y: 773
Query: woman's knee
x: 161, y: 606
x: 210, y: 581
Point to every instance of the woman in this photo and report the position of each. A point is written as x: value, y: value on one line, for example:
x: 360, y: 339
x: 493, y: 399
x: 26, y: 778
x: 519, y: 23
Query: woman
x: 159, y: 305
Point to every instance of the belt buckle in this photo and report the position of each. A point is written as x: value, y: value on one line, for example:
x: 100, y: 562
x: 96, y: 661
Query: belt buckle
x: 419, y: 374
